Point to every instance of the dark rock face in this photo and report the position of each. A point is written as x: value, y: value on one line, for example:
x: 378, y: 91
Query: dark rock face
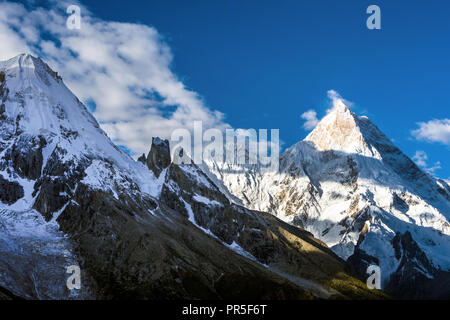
x: 409, y: 280
x: 10, y: 192
x: 53, y: 194
x: 3, y: 96
x: 7, y: 295
x: 182, y: 184
x: 130, y: 253
x: 359, y: 261
x: 416, y: 277
x: 142, y: 159
x: 407, y: 249
x: 444, y: 189
x: 26, y: 156
x: 55, y: 187
x: 400, y: 204
x: 159, y: 156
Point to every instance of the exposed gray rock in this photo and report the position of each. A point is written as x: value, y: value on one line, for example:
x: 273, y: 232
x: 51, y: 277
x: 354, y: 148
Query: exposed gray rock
x: 26, y: 156
x: 159, y: 156
x: 7, y: 295
x: 142, y: 159
x: 416, y: 277
x: 10, y: 191
x: 132, y: 253
x: 55, y: 187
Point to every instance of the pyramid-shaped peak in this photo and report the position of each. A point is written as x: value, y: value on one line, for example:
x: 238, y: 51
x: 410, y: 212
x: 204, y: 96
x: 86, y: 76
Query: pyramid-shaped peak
x: 25, y: 56
x: 339, y: 106
x: 341, y: 130
x: 159, y: 156
x: 28, y: 66
x: 21, y: 61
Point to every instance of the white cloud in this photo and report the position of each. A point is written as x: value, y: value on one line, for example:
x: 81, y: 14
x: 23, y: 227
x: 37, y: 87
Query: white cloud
x: 434, y: 131
x: 436, y: 166
x: 311, y: 119
x: 124, y: 68
x: 421, y: 159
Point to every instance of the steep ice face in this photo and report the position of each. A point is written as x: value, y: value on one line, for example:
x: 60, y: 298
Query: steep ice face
x: 353, y: 189
x: 36, y: 102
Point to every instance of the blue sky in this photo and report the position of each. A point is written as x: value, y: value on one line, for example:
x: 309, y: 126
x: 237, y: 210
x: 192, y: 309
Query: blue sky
x: 260, y: 63
x: 264, y: 63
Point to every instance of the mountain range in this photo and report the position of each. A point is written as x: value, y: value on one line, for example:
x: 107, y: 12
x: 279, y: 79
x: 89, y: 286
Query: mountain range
x: 344, y: 198
x: 352, y: 188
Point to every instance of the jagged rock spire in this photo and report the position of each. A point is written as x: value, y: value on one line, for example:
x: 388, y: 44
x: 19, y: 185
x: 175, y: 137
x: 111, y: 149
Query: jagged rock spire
x: 159, y: 156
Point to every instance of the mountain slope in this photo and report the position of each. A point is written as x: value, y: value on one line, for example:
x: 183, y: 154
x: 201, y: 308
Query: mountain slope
x: 352, y: 188
x: 283, y: 249
x: 149, y: 230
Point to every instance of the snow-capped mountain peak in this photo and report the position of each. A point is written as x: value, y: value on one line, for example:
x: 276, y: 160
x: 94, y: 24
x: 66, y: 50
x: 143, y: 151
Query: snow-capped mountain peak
x: 22, y: 61
x: 350, y: 186
x: 36, y: 102
x: 341, y: 130
x: 52, y: 148
x: 26, y: 68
